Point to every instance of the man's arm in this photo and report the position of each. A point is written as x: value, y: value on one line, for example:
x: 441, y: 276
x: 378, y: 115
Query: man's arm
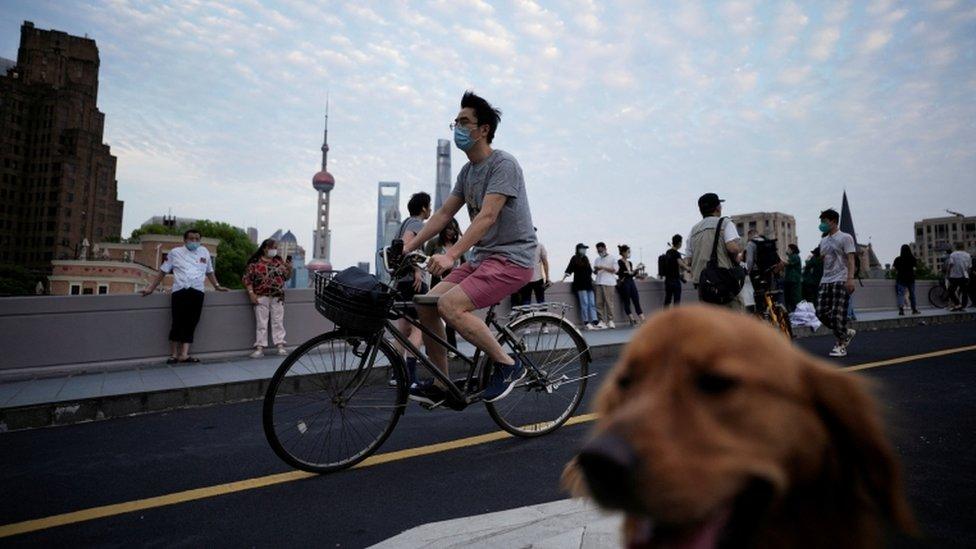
x: 849, y: 283
x: 436, y: 223
x: 545, y: 267
x: 733, y: 247
x: 152, y: 285
x: 485, y: 219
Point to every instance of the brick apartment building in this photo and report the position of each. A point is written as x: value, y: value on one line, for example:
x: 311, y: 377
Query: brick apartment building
x: 57, y: 177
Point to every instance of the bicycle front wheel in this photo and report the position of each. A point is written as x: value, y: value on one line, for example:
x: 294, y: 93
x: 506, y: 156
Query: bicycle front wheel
x: 557, y: 359
x: 331, y: 402
x: 783, y: 321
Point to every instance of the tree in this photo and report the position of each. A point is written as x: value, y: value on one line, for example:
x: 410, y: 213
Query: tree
x: 16, y: 280
x: 232, y: 252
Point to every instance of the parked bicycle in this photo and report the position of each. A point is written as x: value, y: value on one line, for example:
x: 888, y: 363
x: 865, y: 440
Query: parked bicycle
x: 770, y: 310
x: 939, y: 294
x: 330, y: 404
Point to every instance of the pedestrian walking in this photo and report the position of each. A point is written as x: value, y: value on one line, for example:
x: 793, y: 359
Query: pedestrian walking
x: 905, y: 265
x: 448, y: 237
x: 837, y: 284
x: 605, y: 269
x: 702, y: 241
x: 627, y: 287
x: 264, y: 279
x: 582, y: 285
x: 540, y: 278
x: 792, y: 278
x: 958, y: 267
x: 672, y: 269
x: 190, y: 265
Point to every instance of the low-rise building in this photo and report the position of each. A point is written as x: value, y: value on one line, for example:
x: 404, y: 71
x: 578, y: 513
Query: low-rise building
x: 776, y: 225
x: 118, y: 268
x: 936, y: 236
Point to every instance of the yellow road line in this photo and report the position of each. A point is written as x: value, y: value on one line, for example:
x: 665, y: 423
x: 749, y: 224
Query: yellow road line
x: 93, y: 513
x: 912, y: 358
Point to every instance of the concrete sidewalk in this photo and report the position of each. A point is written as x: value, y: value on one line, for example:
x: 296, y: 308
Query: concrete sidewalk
x: 42, y: 401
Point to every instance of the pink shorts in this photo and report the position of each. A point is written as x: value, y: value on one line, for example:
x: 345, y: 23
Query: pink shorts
x: 490, y: 281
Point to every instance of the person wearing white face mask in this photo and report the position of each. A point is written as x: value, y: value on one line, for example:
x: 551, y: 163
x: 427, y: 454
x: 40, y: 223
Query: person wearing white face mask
x: 264, y: 278
x: 190, y: 264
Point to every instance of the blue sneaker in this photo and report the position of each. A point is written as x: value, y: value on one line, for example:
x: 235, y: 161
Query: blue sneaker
x: 503, y: 380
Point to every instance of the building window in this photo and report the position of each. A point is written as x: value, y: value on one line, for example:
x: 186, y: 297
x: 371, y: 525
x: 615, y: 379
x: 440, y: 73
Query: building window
x: 88, y: 291
x: 102, y: 289
x: 75, y: 289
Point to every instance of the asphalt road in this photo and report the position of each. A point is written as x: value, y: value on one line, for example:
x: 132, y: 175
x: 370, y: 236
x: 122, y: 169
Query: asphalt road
x: 63, y: 469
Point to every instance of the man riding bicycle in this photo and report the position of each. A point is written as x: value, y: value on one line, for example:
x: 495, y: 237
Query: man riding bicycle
x: 502, y: 241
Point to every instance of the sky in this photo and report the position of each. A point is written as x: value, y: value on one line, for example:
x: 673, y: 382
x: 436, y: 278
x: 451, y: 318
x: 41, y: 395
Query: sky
x: 620, y: 113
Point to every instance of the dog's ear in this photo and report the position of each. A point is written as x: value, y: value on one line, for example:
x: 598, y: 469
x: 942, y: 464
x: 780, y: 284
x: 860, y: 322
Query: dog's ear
x: 857, y: 434
x: 572, y: 480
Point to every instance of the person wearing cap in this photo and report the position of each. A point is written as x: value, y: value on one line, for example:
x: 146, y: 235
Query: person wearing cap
x: 702, y: 237
x: 579, y: 266
x: 605, y: 269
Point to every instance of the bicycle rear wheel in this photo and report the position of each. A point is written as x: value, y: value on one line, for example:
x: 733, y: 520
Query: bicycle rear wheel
x: 939, y: 296
x: 557, y: 359
x: 330, y: 405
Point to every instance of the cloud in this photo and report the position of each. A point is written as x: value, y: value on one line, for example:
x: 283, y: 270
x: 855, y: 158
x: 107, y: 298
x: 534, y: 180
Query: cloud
x: 875, y: 40
x: 823, y: 43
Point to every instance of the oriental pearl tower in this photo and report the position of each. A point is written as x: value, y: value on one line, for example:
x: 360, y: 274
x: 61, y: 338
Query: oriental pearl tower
x: 323, y: 182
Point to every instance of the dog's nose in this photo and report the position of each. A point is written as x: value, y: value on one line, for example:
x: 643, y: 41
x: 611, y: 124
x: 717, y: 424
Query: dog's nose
x: 609, y: 464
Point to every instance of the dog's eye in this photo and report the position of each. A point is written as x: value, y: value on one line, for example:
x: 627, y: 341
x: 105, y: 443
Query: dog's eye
x: 714, y: 384
x: 623, y: 381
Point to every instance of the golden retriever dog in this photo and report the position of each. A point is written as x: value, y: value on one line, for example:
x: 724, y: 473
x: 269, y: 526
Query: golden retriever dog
x: 713, y: 430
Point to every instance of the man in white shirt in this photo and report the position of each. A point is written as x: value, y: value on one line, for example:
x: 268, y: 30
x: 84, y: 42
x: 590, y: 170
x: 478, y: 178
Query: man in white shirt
x: 837, y: 249
x: 605, y: 268
x: 957, y: 269
x: 702, y: 238
x: 190, y: 265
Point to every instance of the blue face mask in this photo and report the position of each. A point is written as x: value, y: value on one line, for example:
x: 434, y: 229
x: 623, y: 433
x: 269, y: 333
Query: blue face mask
x: 192, y: 246
x: 824, y: 227
x: 462, y: 138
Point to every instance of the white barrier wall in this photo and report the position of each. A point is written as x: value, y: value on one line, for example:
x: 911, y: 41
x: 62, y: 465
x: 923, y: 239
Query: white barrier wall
x: 85, y: 331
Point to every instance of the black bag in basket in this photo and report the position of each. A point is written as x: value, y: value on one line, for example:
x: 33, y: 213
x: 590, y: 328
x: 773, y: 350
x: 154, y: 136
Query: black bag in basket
x: 716, y: 284
x: 357, y: 286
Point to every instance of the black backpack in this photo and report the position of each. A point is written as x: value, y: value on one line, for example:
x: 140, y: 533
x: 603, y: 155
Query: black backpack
x: 716, y: 284
x: 767, y: 256
x: 662, y: 264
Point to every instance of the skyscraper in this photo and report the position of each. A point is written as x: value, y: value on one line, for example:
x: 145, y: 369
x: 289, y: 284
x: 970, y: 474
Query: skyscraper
x: 58, y: 184
x: 323, y: 182
x: 387, y: 221
x: 443, y: 189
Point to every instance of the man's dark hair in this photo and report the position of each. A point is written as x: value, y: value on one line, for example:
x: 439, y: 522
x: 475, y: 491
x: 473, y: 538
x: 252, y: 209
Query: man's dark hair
x: 601, y: 245
x: 484, y: 111
x: 676, y: 240
x: 830, y: 214
x: 794, y: 248
x: 417, y: 203
x: 960, y: 246
x: 188, y: 232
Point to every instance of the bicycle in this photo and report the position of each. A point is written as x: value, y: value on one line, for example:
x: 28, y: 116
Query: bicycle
x: 774, y: 312
x: 939, y: 294
x: 330, y: 404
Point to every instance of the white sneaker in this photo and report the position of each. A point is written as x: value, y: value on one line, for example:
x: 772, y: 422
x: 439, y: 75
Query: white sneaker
x: 281, y: 350
x: 600, y: 326
x: 838, y: 351
x: 258, y: 353
x: 588, y: 326
x: 611, y: 325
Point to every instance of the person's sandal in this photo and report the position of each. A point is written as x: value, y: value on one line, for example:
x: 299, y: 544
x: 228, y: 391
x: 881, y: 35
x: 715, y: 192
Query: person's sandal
x: 172, y: 360
x: 190, y: 360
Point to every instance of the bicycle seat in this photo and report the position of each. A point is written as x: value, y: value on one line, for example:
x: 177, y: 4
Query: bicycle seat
x: 426, y: 299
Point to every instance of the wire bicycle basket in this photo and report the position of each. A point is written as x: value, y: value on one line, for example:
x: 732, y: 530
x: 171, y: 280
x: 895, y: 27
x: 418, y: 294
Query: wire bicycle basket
x: 353, y: 309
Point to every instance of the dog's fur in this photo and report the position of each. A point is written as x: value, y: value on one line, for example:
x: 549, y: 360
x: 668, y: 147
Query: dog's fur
x: 711, y: 400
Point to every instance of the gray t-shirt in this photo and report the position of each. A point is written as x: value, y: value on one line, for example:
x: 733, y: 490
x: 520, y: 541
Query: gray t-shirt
x: 512, y: 236
x: 410, y: 225
x: 834, y: 249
